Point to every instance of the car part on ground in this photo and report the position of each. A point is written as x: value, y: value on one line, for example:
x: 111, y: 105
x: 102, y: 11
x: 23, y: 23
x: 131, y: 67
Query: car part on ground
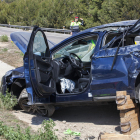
x: 129, y: 113
x: 111, y: 136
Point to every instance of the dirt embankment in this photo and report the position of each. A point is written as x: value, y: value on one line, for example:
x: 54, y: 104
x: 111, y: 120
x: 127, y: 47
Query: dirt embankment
x: 10, y: 54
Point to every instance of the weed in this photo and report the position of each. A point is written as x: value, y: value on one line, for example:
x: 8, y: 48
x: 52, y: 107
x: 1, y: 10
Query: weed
x: 5, y: 50
x: 12, y: 43
x: 45, y: 133
x: 4, y: 38
x: 21, y: 53
x: 7, y: 101
x: 17, y: 52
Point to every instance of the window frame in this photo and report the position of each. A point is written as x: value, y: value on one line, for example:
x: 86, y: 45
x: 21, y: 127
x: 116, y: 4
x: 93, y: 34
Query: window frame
x: 74, y: 40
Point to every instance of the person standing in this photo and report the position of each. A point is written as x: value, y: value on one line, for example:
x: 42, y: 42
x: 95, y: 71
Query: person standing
x: 74, y: 26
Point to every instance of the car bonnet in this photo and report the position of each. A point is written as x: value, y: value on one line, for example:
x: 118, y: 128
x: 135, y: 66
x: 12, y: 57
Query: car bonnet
x: 21, y: 40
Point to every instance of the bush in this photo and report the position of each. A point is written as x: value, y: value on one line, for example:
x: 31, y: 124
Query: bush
x: 45, y: 133
x: 11, y: 134
x: 7, y: 101
x: 4, y: 38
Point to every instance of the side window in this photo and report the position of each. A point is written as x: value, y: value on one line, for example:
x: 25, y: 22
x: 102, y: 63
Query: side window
x: 39, y: 45
x: 128, y: 40
x: 83, y: 48
x: 137, y: 40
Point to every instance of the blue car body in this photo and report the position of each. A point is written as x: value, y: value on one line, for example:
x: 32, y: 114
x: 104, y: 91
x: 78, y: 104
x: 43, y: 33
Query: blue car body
x: 107, y: 75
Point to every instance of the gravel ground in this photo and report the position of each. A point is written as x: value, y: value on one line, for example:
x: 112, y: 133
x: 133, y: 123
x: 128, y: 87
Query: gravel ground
x: 89, y: 121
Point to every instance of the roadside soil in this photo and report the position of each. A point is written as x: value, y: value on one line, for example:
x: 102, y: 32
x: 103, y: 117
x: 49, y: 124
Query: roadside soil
x: 10, y: 54
x: 11, y: 120
x: 88, y: 120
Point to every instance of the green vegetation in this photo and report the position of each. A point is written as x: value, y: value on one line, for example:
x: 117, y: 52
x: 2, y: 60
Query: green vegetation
x: 4, y: 38
x: 5, y: 50
x: 7, y: 101
x: 46, y: 132
x: 21, y: 53
x: 59, y: 13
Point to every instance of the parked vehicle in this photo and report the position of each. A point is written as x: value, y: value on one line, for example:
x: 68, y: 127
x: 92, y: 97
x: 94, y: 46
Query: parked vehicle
x: 85, y: 68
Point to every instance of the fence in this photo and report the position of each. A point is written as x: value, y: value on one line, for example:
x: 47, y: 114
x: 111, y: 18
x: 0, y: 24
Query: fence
x: 31, y: 27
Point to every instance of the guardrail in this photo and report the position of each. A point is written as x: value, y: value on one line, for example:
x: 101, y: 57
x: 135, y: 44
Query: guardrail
x: 31, y: 27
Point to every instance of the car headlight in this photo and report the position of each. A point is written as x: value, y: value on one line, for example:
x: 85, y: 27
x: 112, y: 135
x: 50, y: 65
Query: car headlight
x: 8, y: 73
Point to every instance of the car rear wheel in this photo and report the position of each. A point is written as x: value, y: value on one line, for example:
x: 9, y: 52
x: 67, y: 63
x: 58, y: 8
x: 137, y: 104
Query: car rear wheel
x: 44, y: 109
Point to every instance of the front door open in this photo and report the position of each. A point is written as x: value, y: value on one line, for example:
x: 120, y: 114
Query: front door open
x: 38, y: 66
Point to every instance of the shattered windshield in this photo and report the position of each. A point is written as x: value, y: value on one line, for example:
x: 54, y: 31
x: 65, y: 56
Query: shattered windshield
x: 83, y: 48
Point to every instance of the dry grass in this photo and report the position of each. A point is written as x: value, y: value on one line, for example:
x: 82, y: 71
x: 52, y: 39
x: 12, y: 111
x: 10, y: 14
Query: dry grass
x: 9, y: 119
x: 10, y: 54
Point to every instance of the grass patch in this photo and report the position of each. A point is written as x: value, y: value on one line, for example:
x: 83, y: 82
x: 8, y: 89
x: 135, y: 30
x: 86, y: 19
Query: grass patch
x: 4, y: 38
x: 21, y: 53
x: 46, y: 132
x: 7, y: 101
x: 12, y: 43
x: 5, y: 50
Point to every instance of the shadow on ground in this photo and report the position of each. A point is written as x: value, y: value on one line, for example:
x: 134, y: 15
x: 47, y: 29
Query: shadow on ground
x: 100, y: 115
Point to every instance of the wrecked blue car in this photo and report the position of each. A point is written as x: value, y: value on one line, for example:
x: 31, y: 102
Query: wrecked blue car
x: 83, y: 69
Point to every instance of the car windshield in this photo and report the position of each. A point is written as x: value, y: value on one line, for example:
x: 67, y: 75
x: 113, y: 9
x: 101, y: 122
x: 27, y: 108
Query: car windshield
x: 83, y: 48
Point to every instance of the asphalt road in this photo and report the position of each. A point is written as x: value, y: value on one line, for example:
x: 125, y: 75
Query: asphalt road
x: 54, y: 37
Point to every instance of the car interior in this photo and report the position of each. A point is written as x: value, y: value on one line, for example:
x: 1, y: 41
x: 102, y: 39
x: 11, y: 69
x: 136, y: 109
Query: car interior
x: 74, y: 65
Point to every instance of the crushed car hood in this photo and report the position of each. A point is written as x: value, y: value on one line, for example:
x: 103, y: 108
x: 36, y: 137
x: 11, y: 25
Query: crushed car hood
x: 21, y: 40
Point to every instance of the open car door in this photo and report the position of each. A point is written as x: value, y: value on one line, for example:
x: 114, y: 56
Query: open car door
x: 39, y: 67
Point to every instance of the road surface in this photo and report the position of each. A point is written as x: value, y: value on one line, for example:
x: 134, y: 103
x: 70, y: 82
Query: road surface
x: 54, y: 37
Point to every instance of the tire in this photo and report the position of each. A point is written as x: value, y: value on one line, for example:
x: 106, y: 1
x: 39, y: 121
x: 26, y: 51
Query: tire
x: 23, y: 100
x: 45, y: 110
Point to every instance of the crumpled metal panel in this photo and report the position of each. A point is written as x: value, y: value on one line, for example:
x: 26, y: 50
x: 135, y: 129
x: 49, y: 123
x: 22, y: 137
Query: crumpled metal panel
x: 105, y: 82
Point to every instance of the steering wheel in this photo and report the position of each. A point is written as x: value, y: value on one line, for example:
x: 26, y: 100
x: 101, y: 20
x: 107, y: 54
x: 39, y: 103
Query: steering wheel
x: 76, y: 63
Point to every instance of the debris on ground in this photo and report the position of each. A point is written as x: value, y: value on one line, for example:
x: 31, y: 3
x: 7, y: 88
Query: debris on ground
x: 129, y: 113
x: 111, y: 136
x: 69, y: 132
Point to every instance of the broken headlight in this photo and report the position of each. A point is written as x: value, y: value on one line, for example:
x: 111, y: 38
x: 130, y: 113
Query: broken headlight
x: 8, y: 73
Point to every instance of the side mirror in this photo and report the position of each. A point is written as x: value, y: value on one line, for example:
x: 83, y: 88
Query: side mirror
x: 137, y: 40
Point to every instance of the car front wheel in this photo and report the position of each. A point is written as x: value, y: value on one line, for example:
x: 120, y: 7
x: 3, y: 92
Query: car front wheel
x: 44, y: 109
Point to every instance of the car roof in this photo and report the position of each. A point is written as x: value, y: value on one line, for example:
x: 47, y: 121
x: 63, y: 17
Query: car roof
x: 114, y: 24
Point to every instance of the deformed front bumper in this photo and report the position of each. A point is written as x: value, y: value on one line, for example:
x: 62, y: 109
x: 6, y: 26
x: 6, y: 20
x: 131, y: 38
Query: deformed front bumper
x: 3, y: 87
